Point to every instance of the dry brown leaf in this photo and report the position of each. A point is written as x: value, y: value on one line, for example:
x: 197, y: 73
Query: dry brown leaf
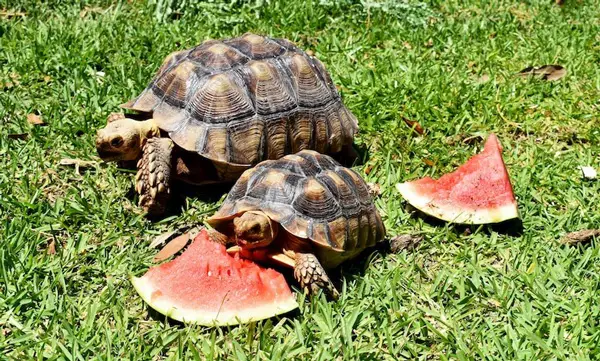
x: 35, y: 119
x: 21, y: 136
x: 90, y: 10
x: 473, y: 139
x: 494, y: 303
x: 171, y: 248
x: 583, y: 236
x: 404, y: 242
x: 160, y: 239
x: 545, y: 72
x: 414, y: 125
x: 14, y: 80
x: 78, y: 163
x: 11, y: 14
x: 429, y: 162
x: 310, y: 52
x: 557, y: 72
x: 455, y: 139
x: 51, y: 248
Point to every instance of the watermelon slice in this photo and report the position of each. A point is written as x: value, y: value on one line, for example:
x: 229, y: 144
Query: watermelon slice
x: 207, y: 286
x: 478, y: 192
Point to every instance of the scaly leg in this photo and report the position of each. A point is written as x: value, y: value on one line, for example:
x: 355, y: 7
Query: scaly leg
x: 154, y: 175
x: 311, y: 275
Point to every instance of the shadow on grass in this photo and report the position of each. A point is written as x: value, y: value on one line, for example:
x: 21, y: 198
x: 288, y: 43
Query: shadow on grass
x: 181, y: 191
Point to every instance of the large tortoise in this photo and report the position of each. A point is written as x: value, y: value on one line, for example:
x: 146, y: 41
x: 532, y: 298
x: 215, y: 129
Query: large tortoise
x: 305, y: 206
x: 213, y: 111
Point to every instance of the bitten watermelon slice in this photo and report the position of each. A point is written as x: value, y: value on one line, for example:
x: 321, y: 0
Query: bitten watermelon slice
x: 478, y: 192
x: 207, y: 286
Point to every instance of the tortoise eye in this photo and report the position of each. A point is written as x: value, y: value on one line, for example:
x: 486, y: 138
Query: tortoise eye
x: 116, y: 142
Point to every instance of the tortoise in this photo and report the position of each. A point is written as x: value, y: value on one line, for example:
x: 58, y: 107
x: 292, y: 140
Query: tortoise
x: 304, y: 210
x: 215, y: 110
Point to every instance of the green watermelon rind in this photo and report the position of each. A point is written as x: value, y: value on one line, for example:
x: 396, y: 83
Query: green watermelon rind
x: 201, y: 317
x: 428, y: 206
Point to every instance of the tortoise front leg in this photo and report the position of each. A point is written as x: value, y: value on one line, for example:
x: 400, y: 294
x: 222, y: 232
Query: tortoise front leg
x: 312, y: 276
x: 153, y: 179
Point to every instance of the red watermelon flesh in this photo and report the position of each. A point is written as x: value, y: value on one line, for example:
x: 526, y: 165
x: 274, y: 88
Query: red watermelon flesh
x: 207, y: 286
x: 478, y: 192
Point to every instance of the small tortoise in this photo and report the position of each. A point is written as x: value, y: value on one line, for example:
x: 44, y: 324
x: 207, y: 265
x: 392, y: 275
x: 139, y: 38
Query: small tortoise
x: 213, y: 111
x: 305, y: 207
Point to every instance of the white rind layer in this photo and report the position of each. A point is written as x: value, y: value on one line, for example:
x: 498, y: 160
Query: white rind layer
x: 198, y: 317
x: 455, y: 214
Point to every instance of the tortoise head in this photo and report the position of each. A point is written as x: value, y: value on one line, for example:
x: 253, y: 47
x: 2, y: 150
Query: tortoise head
x: 254, y: 230
x: 122, y: 139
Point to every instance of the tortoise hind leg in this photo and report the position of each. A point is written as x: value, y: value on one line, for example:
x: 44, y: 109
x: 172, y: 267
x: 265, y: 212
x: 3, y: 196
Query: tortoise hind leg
x: 312, y: 276
x: 153, y: 179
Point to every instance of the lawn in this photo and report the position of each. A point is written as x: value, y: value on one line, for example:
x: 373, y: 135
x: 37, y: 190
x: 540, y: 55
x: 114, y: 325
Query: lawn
x: 71, y: 239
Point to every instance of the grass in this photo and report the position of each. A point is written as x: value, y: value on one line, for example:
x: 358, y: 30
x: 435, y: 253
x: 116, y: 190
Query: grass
x: 457, y: 296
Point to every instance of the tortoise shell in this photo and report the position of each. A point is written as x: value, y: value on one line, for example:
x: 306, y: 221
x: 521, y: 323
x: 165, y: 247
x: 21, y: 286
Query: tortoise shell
x: 312, y: 197
x: 243, y: 100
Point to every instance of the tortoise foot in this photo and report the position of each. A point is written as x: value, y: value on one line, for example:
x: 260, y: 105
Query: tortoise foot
x: 312, y: 276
